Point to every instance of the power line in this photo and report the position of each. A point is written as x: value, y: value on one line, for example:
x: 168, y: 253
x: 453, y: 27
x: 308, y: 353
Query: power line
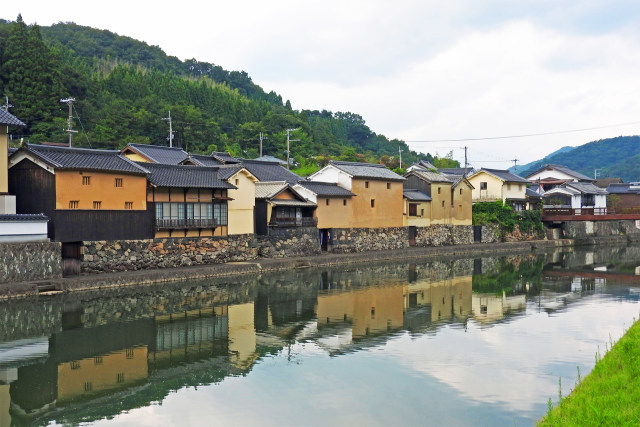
x: 525, y: 135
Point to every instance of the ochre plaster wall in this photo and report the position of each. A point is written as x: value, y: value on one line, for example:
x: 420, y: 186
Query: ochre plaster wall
x: 440, y: 203
x: 241, y: 207
x: 461, y: 211
x: 388, y: 207
x: 336, y: 214
x: 101, y: 188
x: 423, y: 217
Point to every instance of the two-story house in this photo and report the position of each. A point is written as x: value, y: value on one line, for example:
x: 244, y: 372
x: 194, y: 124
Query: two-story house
x: 491, y: 185
x: 278, y: 205
x: 550, y: 176
x: 378, y: 199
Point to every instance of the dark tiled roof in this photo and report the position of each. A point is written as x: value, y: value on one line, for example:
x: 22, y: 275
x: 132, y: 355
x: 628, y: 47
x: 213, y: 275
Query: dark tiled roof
x: 270, y: 171
x: 227, y: 171
x: 415, y: 195
x: 85, y: 159
x: 202, y: 160
x: 367, y: 170
x: 585, y: 188
x: 184, y: 176
x: 325, y: 189
x: 430, y: 176
x: 563, y: 169
x: 224, y: 157
x: 505, y: 175
x: 23, y: 217
x: 456, y: 171
x: 6, y: 118
x: 12, y: 150
x: 160, y: 154
x: 623, y: 189
x: 271, y: 159
x: 532, y: 194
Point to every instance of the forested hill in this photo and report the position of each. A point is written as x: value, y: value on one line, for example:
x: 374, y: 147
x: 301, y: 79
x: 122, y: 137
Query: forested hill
x: 613, y: 157
x: 124, y: 88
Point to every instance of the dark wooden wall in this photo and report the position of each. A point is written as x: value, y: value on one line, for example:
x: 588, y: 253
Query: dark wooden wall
x: 414, y: 183
x: 80, y: 225
x: 260, y: 218
x: 35, y: 190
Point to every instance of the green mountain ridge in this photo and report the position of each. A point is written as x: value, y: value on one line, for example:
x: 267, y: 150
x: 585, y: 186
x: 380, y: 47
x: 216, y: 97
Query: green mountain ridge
x: 617, y: 157
x: 124, y: 88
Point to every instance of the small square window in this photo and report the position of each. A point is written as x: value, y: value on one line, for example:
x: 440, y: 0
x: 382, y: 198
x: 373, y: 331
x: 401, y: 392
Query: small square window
x: 326, y: 202
x: 439, y: 190
x: 73, y: 204
x: 237, y: 182
x: 373, y: 203
x: 118, y: 182
x: 483, y: 185
x: 461, y: 191
x: 86, y: 180
x: 75, y: 364
x: 388, y: 185
x: 443, y: 203
x: 366, y: 184
x: 88, y: 386
x: 120, y: 378
x: 97, y: 205
x: 344, y: 202
x: 128, y: 205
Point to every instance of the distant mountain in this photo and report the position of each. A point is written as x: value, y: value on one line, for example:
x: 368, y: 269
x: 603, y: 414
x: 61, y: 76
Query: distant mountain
x: 612, y: 157
x: 539, y: 163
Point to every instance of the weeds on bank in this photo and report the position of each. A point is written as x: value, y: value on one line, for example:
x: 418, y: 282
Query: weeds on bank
x: 610, y: 394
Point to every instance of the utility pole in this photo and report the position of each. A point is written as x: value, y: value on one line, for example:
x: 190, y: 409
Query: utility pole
x: 262, y: 138
x: 288, y: 141
x: 515, y: 165
x: 596, y: 173
x: 69, y: 102
x: 6, y: 105
x: 170, y: 129
x: 465, y: 161
x: 400, y: 152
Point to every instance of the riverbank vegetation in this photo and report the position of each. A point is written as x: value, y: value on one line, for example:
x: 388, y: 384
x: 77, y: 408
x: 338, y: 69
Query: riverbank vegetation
x: 528, y: 222
x: 609, y: 395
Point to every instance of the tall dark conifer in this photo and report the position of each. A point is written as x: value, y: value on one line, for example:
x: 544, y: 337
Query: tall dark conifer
x: 30, y: 74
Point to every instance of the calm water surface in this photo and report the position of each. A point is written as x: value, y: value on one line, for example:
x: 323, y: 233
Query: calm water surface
x: 454, y: 342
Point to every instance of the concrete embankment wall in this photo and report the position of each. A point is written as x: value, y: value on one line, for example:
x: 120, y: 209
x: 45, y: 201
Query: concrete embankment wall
x: 23, y: 261
x: 594, y: 231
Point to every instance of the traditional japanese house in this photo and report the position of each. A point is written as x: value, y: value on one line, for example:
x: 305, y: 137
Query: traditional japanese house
x: 188, y: 200
x: 87, y: 194
x: 550, y: 176
x: 491, y: 185
x: 378, y: 192
x: 334, y: 202
x: 278, y: 205
x: 154, y: 154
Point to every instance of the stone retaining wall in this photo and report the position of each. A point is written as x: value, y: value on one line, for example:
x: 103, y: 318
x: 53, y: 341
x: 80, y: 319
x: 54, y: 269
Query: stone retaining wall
x: 582, y: 229
x: 444, y: 235
x: 26, y: 261
x: 287, y: 242
x: 351, y: 240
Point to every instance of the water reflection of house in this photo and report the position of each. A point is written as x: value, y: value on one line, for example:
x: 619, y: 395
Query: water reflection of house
x: 429, y: 301
x: 363, y: 311
x: 488, y: 308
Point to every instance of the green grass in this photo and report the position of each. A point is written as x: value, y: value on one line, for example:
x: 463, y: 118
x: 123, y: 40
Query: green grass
x: 610, y: 394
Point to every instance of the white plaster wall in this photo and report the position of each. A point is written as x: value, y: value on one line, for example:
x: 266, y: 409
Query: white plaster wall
x: 23, y: 231
x: 306, y: 193
x: 550, y: 174
x: 332, y: 174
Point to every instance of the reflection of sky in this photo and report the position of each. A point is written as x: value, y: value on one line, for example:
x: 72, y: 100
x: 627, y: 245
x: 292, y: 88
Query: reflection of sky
x: 499, y: 375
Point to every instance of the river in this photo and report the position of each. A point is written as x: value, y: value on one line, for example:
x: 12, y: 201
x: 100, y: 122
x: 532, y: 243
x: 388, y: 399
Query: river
x: 456, y: 342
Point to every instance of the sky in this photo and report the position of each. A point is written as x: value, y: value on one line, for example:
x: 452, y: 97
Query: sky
x: 439, y: 75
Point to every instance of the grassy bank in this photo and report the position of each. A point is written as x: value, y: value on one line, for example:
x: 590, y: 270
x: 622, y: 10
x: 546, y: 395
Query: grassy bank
x: 610, y: 394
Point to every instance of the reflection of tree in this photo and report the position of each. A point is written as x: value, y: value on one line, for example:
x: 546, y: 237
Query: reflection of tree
x: 510, y: 277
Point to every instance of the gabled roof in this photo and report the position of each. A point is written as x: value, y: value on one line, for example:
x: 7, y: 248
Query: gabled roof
x: 456, y: 171
x: 504, y: 175
x: 270, y: 190
x: 184, y: 176
x: 415, y: 195
x: 429, y: 176
x: 422, y: 164
x: 201, y: 160
x: 459, y: 180
x: 158, y: 153
x: 563, y: 169
x: 6, y: 118
x: 270, y: 171
x: 325, y: 189
x: 227, y: 171
x: 11, y: 150
x: 83, y: 159
x: 532, y: 194
x: 271, y: 159
x: 586, y: 188
x: 366, y: 170
x: 225, y: 158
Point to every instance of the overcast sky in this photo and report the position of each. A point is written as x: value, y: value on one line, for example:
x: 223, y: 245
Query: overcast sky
x: 414, y: 70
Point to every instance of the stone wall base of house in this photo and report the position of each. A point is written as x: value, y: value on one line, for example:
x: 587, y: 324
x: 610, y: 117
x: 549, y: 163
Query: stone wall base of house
x: 444, y: 235
x: 128, y: 255
x: 352, y: 240
x: 26, y: 261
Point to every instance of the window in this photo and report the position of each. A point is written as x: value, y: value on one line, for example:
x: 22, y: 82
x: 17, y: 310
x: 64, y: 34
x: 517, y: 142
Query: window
x: 508, y: 186
x: 388, y: 185
x: 413, y: 209
x: 326, y: 202
x: 438, y: 190
x: 120, y: 378
x: 344, y: 202
x: 483, y: 185
x: 129, y: 353
x: 373, y: 203
x: 73, y: 204
x: 75, y: 364
x: 97, y: 205
x: 443, y: 203
x: 366, y: 184
x: 461, y: 191
x: 128, y: 205
x: 118, y: 182
x: 421, y: 212
x: 97, y: 360
x: 86, y: 180
x: 237, y: 182
x: 88, y: 386
x: 220, y: 213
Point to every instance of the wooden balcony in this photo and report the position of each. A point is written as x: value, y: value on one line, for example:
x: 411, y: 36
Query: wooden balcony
x: 589, y: 214
x: 166, y: 224
x: 294, y: 222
